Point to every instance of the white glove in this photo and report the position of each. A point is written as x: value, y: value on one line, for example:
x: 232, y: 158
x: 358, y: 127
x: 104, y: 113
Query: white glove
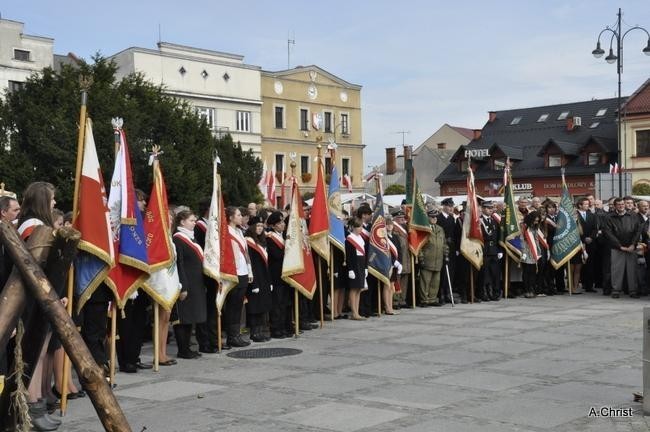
x: 399, y: 268
x: 336, y: 274
x: 351, y: 274
x: 457, y: 253
x: 500, y: 255
x: 396, y: 264
x: 366, y: 273
x: 271, y: 288
x: 255, y: 290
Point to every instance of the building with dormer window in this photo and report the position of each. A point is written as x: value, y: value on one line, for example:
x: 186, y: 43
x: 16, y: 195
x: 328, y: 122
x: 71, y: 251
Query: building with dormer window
x: 578, y: 137
x: 636, y: 114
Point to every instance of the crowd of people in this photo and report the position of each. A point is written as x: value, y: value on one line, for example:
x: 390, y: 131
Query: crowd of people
x: 613, y: 258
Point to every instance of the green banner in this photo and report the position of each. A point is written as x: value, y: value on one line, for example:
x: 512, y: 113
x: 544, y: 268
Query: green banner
x: 566, y: 241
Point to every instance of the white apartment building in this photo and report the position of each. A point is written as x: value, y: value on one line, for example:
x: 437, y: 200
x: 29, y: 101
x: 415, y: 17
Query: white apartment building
x: 220, y: 86
x: 21, y: 55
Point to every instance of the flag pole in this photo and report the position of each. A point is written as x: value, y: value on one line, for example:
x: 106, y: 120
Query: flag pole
x: 296, y: 313
x: 156, y: 336
x: 570, y: 279
x: 505, y: 279
x: 320, y: 291
x: 85, y: 84
x: 471, y: 282
x: 413, y: 280
x: 111, y: 373
x: 219, y: 340
x: 332, y: 299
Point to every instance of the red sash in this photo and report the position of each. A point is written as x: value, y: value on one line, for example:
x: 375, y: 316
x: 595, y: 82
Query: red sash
x: 277, y: 239
x: 25, y: 229
x: 188, y: 241
x: 202, y: 225
x: 361, y: 251
x: 365, y: 234
x: 497, y: 217
x: 400, y: 230
x: 393, y: 249
x: 238, y: 239
x: 259, y: 249
x: 541, y: 239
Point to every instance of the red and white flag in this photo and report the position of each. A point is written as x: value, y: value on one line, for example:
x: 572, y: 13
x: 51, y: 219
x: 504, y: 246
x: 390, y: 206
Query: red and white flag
x: 261, y: 185
x: 270, y: 187
x: 298, y: 265
x: 347, y: 182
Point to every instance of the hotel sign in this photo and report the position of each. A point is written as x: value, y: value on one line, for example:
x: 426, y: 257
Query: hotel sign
x: 480, y: 153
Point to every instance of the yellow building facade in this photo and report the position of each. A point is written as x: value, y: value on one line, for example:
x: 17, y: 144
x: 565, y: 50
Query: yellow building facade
x: 636, y: 134
x: 301, y: 106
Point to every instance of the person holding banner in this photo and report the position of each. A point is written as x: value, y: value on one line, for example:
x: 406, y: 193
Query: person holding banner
x: 235, y: 298
x: 531, y: 252
x: 357, y: 263
x: 432, y: 257
x: 395, y: 255
x: 191, y: 302
x: 280, y: 293
x: 259, y: 291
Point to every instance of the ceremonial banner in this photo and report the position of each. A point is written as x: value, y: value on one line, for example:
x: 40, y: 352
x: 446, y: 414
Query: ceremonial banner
x: 319, y: 221
x: 96, y: 254
x: 131, y: 266
x: 510, y: 221
x: 566, y: 241
x: 471, y: 241
x: 419, y: 227
x: 298, y: 265
x: 347, y: 182
x: 261, y: 185
x: 379, y: 260
x: 337, y: 230
x: 270, y: 187
x: 163, y: 284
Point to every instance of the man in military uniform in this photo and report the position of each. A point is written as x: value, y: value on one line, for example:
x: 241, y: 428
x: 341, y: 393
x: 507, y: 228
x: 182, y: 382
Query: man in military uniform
x: 490, y: 274
x: 405, y: 258
x: 452, y: 229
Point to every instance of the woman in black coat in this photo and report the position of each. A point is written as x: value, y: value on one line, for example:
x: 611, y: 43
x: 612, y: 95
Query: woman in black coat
x: 355, y: 259
x: 259, y: 291
x: 191, y: 305
x: 280, y: 294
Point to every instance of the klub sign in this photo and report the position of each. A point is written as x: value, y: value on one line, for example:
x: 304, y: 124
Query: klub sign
x: 543, y: 187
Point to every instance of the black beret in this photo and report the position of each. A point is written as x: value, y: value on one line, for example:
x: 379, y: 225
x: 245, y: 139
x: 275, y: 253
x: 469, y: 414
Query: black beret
x: 274, y: 218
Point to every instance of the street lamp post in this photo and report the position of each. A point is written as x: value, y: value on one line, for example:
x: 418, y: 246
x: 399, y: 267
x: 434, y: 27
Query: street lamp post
x: 617, y: 36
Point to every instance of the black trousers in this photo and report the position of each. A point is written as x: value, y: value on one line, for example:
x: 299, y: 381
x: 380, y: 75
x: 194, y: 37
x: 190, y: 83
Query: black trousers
x: 183, y: 334
x: 131, y: 327
x: 529, y: 276
x: 94, y: 324
x: 206, y: 332
x: 233, y: 307
x: 279, y: 307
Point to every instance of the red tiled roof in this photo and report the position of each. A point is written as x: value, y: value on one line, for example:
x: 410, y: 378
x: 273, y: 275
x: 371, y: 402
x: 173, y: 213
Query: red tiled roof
x: 467, y: 133
x: 639, y: 102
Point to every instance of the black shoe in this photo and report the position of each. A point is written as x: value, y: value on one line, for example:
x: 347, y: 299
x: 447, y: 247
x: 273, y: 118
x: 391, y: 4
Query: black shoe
x: 141, y: 365
x: 208, y: 350
x: 238, y: 342
x: 464, y: 301
x: 435, y: 304
x: 186, y: 355
x: 128, y: 368
x: 635, y: 295
x: 225, y: 346
x: 258, y: 338
x: 616, y: 295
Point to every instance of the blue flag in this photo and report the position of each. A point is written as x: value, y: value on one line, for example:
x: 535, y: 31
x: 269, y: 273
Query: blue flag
x: 379, y: 260
x: 337, y: 230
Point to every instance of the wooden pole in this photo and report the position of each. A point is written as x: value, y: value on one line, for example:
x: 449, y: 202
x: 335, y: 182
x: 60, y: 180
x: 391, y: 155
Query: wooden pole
x: 333, y: 303
x: 91, y: 375
x: 75, y: 210
x: 570, y: 279
x: 471, y: 283
x: 156, y: 337
x: 111, y: 376
x: 296, y: 312
x: 506, y: 279
x: 216, y: 304
x: 413, y: 280
x: 380, y: 293
x: 320, y: 291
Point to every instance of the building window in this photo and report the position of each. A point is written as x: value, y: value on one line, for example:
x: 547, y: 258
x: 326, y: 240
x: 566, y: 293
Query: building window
x: 304, y: 164
x: 345, y: 166
x: 21, y: 55
x: 279, y: 117
x: 554, y: 161
x: 499, y: 164
x: 279, y: 162
x: 542, y: 118
x: 643, y: 142
x: 304, y: 119
x: 345, y: 127
x: 593, y: 158
x: 515, y: 121
x: 14, y: 86
x: 601, y: 112
x: 463, y: 166
x: 328, y: 165
x: 327, y: 122
x: 243, y: 121
x: 206, y: 114
x: 563, y: 115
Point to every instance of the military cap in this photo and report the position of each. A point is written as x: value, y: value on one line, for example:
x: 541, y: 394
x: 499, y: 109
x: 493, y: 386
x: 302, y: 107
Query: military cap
x: 274, y: 218
x: 447, y: 202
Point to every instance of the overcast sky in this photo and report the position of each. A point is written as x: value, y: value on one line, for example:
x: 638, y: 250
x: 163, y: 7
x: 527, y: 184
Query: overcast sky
x: 421, y: 63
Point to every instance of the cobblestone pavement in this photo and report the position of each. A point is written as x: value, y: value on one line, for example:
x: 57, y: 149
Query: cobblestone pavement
x: 518, y: 365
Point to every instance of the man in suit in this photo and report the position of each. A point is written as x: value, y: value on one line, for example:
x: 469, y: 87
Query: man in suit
x: 490, y: 273
x: 587, y: 222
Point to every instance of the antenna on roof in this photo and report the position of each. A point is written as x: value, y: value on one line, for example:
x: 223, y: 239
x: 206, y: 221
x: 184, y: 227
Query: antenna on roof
x: 289, y: 43
x: 159, y: 33
x: 404, y: 133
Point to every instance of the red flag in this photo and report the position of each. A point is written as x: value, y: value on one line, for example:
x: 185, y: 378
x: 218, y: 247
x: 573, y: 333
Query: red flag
x: 227, y: 266
x: 270, y: 187
x: 319, y: 225
x: 298, y: 265
x: 347, y: 182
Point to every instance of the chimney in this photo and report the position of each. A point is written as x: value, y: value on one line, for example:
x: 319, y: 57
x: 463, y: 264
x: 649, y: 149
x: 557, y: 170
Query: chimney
x: 492, y: 116
x: 569, y: 123
x: 391, y: 162
x: 442, y: 146
x: 408, y: 152
x: 477, y: 134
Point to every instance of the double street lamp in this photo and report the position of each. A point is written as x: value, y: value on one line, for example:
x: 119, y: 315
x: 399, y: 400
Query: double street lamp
x: 618, y: 35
